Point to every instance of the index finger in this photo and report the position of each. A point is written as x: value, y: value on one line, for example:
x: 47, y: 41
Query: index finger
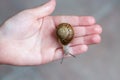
x: 74, y: 20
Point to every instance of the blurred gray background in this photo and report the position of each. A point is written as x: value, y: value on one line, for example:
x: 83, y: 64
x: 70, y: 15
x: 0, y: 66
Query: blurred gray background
x: 101, y: 62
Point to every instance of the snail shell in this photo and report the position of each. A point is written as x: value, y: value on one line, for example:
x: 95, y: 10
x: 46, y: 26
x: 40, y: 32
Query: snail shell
x: 65, y: 33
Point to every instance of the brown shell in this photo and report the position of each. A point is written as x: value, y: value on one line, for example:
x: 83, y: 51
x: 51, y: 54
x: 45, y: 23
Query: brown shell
x: 65, y: 33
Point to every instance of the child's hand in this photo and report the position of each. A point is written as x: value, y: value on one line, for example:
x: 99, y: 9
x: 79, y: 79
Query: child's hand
x: 29, y: 37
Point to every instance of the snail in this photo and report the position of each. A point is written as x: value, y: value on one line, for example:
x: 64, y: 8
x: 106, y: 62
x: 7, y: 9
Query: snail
x: 65, y: 34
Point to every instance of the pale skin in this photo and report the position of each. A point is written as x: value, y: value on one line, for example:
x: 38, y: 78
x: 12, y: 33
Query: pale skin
x: 29, y: 37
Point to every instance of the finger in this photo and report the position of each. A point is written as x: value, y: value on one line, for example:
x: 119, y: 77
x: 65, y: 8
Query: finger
x: 74, y: 50
x: 74, y: 20
x: 44, y: 10
x: 83, y: 30
x: 91, y: 39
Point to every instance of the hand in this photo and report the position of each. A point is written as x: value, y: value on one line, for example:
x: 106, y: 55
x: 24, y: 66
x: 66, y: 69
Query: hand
x: 29, y: 38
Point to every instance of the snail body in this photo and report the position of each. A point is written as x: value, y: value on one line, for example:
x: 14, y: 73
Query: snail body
x: 65, y: 34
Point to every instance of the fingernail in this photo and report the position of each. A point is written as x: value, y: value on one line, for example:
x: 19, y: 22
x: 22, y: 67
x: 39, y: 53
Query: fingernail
x: 91, y: 20
x: 96, y: 39
x: 98, y: 29
x: 84, y: 48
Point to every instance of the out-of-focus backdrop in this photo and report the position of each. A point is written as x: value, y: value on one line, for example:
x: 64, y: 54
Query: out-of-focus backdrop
x: 101, y: 62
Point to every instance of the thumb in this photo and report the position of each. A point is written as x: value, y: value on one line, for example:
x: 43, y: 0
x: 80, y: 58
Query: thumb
x: 43, y: 10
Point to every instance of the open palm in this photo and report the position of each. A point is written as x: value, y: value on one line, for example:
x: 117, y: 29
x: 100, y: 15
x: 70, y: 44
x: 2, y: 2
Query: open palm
x: 29, y: 38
